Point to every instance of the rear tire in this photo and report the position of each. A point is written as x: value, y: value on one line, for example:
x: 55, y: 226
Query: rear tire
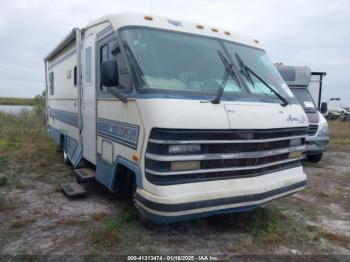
x: 314, y: 158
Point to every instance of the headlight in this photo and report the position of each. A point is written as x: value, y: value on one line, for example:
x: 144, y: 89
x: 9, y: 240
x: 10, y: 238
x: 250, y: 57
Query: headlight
x: 184, y: 149
x: 323, y: 130
x: 185, y: 165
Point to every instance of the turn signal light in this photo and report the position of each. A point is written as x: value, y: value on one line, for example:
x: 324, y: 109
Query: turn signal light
x: 295, y: 154
x: 147, y: 17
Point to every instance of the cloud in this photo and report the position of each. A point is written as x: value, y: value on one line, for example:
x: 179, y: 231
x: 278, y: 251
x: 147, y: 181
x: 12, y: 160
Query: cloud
x: 313, y: 33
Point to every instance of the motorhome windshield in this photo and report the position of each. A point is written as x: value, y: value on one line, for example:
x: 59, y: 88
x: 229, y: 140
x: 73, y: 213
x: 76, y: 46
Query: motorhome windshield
x: 305, y: 99
x: 259, y: 62
x: 178, y: 62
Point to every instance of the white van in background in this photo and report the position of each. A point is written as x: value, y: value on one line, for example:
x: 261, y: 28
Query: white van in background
x: 192, y: 120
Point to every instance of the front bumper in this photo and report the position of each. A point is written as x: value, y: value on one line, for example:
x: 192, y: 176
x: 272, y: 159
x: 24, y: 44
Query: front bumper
x: 170, y: 209
x: 316, y: 144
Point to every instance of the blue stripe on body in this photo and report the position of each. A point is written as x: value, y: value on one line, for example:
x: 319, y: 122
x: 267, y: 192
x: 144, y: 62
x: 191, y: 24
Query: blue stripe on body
x: 69, y: 118
x: 124, y: 133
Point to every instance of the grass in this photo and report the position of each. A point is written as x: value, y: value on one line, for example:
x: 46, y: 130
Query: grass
x: 339, y: 135
x: 125, y: 221
x: 17, y: 101
x: 262, y: 228
x: 270, y: 225
x: 6, y: 205
x: 26, y: 148
x: 261, y: 221
x: 3, y: 181
x: 338, y: 239
x: 20, y: 130
x: 19, y: 223
x: 113, y: 230
x: 97, y: 216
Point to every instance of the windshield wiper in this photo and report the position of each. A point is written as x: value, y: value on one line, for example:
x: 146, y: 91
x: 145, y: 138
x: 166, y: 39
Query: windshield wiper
x: 246, y: 71
x: 228, y: 72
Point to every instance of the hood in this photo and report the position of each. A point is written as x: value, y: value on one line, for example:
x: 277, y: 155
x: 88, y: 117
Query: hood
x: 194, y: 114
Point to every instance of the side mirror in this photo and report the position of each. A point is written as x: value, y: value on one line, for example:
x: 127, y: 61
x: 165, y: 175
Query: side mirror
x: 324, y: 107
x: 109, y: 73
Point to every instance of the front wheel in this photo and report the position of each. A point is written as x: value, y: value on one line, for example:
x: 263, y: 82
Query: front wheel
x: 314, y: 158
x: 144, y: 221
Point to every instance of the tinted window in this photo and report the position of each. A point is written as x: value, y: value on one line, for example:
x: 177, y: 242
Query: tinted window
x: 51, y: 83
x: 88, y: 65
x: 258, y: 61
x: 110, y: 51
x: 75, y: 76
x: 103, y: 57
x: 104, y: 53
x: 304, y: 98
x: 176, y: 62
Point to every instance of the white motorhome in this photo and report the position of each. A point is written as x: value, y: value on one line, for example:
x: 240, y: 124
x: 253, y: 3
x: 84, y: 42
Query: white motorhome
x: 307, y: 88
x: 193, y: 120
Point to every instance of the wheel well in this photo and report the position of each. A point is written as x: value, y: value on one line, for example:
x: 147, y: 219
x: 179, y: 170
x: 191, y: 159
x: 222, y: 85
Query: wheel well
x: 125, y: 180
x: 62, y: 137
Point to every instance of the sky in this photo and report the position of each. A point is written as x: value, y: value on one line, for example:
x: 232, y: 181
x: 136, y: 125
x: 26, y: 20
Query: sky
x: 314, y: 33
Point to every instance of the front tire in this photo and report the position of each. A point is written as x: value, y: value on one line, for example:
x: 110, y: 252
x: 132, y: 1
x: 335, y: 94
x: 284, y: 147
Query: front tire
x: 314, y: 158
x: 144, y: 221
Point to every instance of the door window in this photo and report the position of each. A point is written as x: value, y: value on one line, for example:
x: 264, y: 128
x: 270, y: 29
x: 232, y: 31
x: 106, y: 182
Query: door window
x: 111, y: 50
x: 88, y: 65
x: 75, y: 76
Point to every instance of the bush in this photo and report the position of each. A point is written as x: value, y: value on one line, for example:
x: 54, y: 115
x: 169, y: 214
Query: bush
x: 3, y: 181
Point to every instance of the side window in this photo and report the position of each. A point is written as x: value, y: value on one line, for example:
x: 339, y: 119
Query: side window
x: 87, y: 65
x: 75, y: 76
x: 51, y: 83
x: 104, y: 53
x: 103, y: 57
x: 124, y: 78
x: 110, y: 51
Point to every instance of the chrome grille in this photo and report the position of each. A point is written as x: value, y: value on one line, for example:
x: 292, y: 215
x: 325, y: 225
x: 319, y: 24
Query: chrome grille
x: 224, y: 154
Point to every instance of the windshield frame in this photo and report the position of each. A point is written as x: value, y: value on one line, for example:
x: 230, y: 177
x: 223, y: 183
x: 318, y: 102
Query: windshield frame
x: 159, y: 92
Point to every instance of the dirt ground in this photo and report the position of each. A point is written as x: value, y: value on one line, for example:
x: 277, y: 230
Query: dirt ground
x: 37, y: 219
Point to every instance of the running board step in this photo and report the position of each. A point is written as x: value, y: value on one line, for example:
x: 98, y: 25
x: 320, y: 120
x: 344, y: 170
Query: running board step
x: 85, y: 174
x: 73, y: 190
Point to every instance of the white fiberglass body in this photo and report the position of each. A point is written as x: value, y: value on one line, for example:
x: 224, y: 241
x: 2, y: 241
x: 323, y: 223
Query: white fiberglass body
x: 198, y: 115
